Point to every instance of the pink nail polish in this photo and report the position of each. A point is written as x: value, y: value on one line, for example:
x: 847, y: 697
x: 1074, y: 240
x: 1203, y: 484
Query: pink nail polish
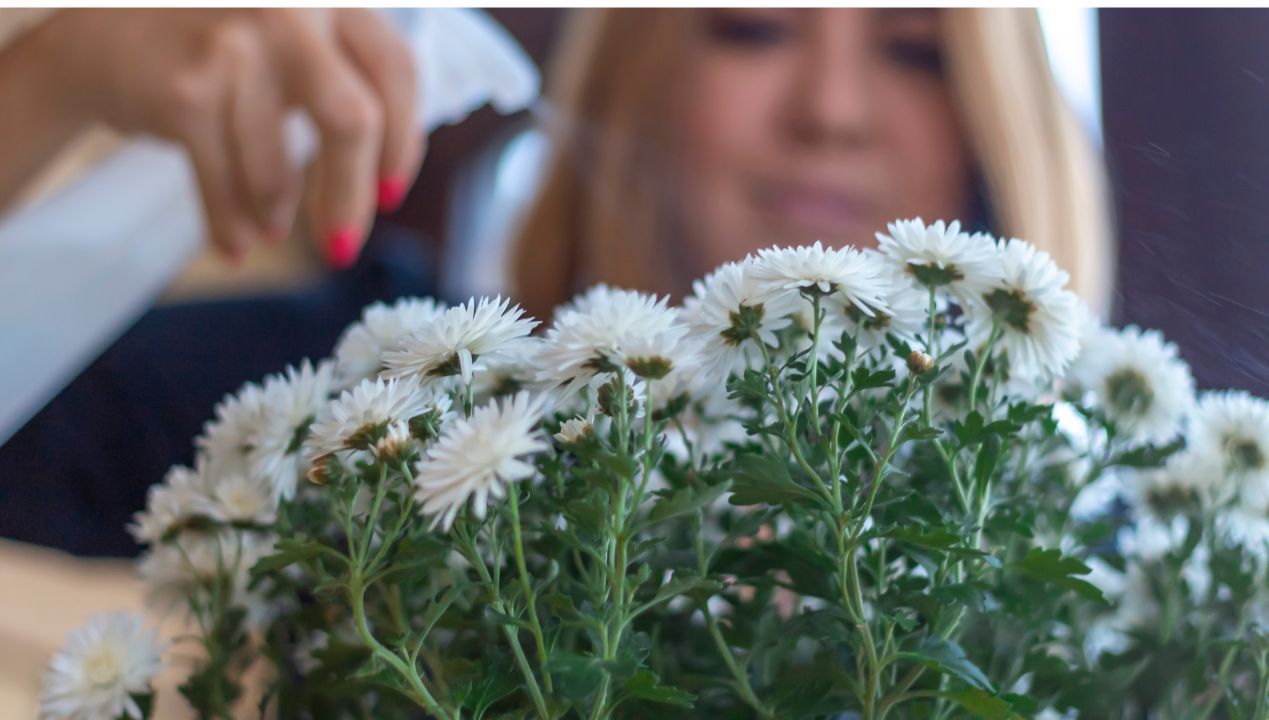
x: 342, y: 248
x: 391, y: 193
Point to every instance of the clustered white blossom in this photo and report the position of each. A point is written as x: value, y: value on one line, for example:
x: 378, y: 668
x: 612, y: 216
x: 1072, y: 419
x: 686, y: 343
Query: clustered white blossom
x: 359, y: 352
x: 1138, y: 379
x: 102, y: 670
x: 476, y: 458
x: 460, y: 398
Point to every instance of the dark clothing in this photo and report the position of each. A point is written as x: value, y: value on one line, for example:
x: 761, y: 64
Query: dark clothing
x: 75, y: 474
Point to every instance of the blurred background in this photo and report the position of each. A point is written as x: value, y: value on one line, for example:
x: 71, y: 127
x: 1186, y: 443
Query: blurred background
x: 1176, y: 99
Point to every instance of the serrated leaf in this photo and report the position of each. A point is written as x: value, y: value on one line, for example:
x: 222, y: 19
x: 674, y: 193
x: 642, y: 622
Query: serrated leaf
x: 686, y: 501
x: 937, y: 538
x: 576, y: 676
x: 985, y: 461
x: 970, y: 431
x: 287, y: 552
x: 765, y: 480
x: 1148, y: 456
x: 645, y: 685
x: 1051, y: 566
x: 947, y: 657
x: 864, y: 379
x: 981, y: 704
x: 921, y: 432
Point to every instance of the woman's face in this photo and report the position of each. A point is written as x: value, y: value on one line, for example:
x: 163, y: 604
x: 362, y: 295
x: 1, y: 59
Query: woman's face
x: 824, y: 124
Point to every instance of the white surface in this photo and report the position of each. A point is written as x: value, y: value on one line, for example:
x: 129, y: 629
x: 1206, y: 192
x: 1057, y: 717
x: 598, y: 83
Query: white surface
x: 77, y: 269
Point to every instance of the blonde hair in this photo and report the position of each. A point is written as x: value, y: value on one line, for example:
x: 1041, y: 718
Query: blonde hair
x: 602, y: 215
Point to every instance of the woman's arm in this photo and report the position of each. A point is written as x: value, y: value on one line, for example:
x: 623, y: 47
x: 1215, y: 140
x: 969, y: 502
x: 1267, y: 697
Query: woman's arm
x: 36, y: 118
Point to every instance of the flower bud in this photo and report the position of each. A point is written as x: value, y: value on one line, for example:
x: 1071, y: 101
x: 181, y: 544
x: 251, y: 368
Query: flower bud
x: 919, y: 363
x: 320, y: 473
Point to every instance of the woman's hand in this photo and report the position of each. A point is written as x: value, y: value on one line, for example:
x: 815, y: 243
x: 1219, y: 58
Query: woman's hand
x: 221, y: 82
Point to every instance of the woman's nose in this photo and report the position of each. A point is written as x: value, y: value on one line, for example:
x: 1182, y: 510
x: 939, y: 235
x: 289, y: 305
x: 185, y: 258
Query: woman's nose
x: 831, y: 102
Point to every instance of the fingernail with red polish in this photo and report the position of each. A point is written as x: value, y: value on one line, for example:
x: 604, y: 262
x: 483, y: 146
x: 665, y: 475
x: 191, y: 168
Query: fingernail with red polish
x: 342, y: 248
x: 391, y: 193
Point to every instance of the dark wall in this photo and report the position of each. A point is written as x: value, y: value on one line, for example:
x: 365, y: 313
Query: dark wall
x: 1186, y: 112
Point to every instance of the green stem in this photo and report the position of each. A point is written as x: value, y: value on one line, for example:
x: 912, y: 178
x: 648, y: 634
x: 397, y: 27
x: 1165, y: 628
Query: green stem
x: 790, y: 434
x: 981, y: 363
x: 527, y: 587
x: 1222, y: 673
x: 373, y: 518
x: 740, y: 674
x: 417, y: 690
x: 491, y: 586
x: 814, y: 361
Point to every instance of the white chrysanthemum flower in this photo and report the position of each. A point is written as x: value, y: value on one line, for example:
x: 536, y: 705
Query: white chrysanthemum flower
x: 1039, y: 320
x: 174, y: 572
x: 509, y: 373
x: 1138, y: 380
x: 575, y: 430
x: 290, y: 403
x: 656, y: 356
x: 726, y: 313
x: 906, y: 313
x: 1163, y: 502
x: 102, y: 668
x: 1135, y: 606
x: 942, y: 257
x: 459, y: 338
x: 359, y: 352
x: 851, y: 277
x: 242, y: 499
x: 193, y: 496
x: 1231, y: 430
x: 171, y: 504
x: 1246, y: 522
x: 589, y: 335
x: 477, y: 457
x: 227, y: 438
x: 361, y: 415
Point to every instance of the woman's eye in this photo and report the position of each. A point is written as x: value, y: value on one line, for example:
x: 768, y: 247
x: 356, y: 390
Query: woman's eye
x: 747, y: 31
x: 921, y: 55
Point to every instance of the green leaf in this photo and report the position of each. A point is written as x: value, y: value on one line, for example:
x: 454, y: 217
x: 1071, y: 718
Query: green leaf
x: 981, y: 704
x: 619, y: 465
x: 947, y: 657
x: 1023, y: 413
x: 576, y: 676
x: 765, y: 480
x: 687, y: 584
x: 1147, y: 456
x: 865, y: 379
x: 985, y: 462
x: 645, y: 685
x: 686, y: 501
x: 480, y: 693
x: 505, y: 619
x: 1051, y: 566
x: 937, y: 538
x: 974, y: 595
x: 917, y: 431
x: 970, y: 431
x: 287, y: 552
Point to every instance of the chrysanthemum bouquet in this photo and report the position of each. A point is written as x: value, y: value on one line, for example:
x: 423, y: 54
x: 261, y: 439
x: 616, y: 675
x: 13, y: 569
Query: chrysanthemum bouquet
x: 832, y: 484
